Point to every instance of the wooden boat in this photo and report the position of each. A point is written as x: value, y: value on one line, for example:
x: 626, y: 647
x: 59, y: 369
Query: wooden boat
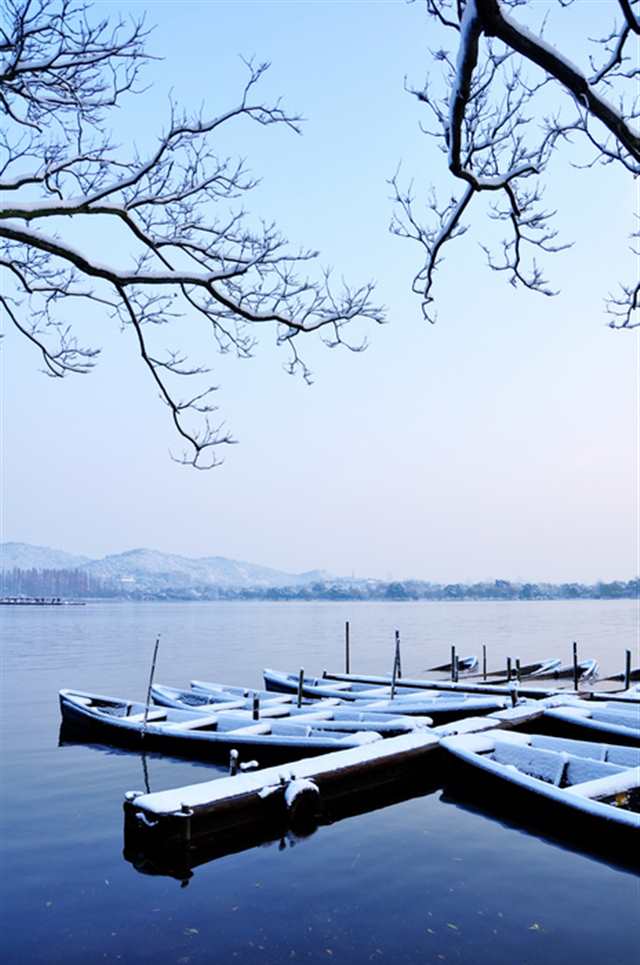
x: 634, y: 674
x: 218, y: 691
x: 598, y: 720
x: 271, y: 705
x: 333, y: 715
x: 601, y: 782
x: 210, y: 735
x: 587, y: 670
x: 441, y: 707
x: 538, y: 668
x: 465, y: 665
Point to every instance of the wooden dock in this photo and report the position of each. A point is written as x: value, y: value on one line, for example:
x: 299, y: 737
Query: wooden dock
x: 296, y: 791
x: 274, y: 793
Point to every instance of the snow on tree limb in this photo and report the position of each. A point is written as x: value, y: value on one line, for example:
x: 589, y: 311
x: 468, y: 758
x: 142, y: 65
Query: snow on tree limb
x: 485, y: 125
x: 188, y: 252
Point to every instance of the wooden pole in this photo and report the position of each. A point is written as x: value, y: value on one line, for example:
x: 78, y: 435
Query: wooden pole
x: 575, y: 665
x: 484, y: 661
x: 456, y: 668
x: 398, y: 659
x: 153, y: 670
x: 255, y: 710
x: 394, y: 675
x: 233, y: 762
x: 347, y: 661
x: 518, y: 677
x: 300, y: 685
x: 627, y: 669
x: 453, y: 663
x: 508, y: 669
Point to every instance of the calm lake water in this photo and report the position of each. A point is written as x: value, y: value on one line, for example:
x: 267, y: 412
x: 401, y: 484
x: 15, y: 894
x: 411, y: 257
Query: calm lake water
x: 424, y: 880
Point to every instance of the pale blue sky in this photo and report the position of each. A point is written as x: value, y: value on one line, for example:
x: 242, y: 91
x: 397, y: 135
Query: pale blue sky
x: 500, y: 443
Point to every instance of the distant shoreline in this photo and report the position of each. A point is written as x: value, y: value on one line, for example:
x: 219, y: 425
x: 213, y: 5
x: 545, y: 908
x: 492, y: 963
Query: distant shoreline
x: 267, y: 598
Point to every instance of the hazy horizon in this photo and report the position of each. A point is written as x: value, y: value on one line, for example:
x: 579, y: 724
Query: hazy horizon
x: 500, y: 443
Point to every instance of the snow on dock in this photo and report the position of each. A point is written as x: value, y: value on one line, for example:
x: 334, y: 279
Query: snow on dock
x: 286, y: 791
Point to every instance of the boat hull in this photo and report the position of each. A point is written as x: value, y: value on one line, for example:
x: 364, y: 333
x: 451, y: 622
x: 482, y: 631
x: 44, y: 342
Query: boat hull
x: 201, y: 744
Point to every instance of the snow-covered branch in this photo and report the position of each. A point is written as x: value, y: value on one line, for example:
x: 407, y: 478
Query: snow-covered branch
x: 486, y: 124
x: 186, y: 248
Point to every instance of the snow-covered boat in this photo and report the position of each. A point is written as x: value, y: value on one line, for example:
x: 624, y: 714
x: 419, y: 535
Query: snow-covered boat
x: 465, y: 665
x: 272, y: 705
x: 634, y: 674
x: 537, y: 668
x: 592, y: 779
x: 209, y: 735
x: 333, y: 715
x: 441, y: 707
x: 587, y: 670
x: 599, y: 720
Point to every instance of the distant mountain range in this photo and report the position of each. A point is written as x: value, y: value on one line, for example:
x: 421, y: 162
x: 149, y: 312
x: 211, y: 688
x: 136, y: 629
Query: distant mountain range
x: 142, y: 574
x: 152, y: 571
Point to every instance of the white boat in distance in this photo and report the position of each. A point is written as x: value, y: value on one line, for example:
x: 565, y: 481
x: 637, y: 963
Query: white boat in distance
x: 538, y: 668
x: 466, y: 665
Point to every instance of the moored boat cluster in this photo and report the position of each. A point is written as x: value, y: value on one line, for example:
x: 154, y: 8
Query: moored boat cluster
x: 583, y: 755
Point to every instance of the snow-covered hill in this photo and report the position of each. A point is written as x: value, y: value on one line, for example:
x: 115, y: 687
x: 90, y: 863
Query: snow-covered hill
x: 23, y: 556
x: 151, y: 570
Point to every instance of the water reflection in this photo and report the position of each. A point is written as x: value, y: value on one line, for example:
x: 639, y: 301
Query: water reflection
x: 173, y: 856
x: 569, y: 830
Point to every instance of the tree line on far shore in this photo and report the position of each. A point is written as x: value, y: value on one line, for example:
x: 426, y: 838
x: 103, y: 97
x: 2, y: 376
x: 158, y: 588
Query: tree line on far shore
x: 77, y: 584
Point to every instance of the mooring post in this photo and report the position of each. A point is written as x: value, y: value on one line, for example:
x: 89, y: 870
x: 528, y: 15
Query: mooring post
x: 456, y: 668
x: 153, y: 670
x: 514, y: 696
x: 394, y: 675
x: 347, y: 661
x: 575, y: 665
x: 627, y: 669
x: 233, y: 762
x: 508, y: 669
x: 300, y: 686
x: 453, y: 664
x: 484, y: 661
x: 518, y: 669
x: 398, y: 659
x: 255, y: 709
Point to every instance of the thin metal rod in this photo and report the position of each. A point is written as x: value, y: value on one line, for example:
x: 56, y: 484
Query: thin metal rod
x: 575, y: 665
x: 347, y: 661
x: 153, y: 670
